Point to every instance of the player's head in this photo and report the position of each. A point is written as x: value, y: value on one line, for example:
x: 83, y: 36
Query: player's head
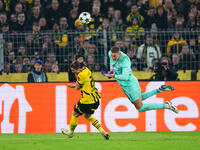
x: 115, y: 53
x: 76, y: 67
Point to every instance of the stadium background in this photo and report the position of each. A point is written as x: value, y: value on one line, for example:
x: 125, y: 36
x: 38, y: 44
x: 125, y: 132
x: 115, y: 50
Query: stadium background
x: 49, y: 30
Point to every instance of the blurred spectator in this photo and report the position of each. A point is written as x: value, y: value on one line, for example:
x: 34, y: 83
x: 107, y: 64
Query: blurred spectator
x: 25, y: 5
x: 76, y: 47
x: 73, y: 15
x: 47, y: 67
x: 105, y: 31
x: 91, y: 49
x: 149, y: 18
x: 134, y: 14
x: 175, y: 44
x: 3, y: 18
x: 18, y: 8
x: 63, y: 25
x: 18, y: 68
x: 35, y: 15
x: 131, y: 53
x: 53, y: 13
x: 97, y: 18
x: 5, y: 29
x: 176, y: 62
x: 43, y: 24
x: 119, y: 43
x: 37, y: 74
x: 60, y: 37
x: 91, y: 62
x: 37, y: 37
x: 64, y: 7
x: 135, y: 29
x: 168, y: 6
x: 191, y: 22
x: 127, y: 44
x: 187, y: 58
x: 194, y: 47
x: 81, y: 28
x: 8, y: 48
x: 13, y: 18
x: 20, y: 25
x: 55, y: 68
x: 147, y: 52
x: 117, y: 21
x: 29, y: 44
x: 22, y: 51
x: 180, y: 22
x: 134, y: 64
x: 26, y: 64
x: 163, y: 71
x: 161, y: 18
x: 110, y: 13
x: 197, y: 15
x: 47, y: 46
x: 11, y: 57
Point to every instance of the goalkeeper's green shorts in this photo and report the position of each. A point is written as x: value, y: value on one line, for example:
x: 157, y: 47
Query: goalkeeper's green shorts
x: 132, y: 91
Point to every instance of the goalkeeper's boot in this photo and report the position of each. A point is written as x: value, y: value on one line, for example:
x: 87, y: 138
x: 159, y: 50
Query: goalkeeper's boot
x: 163, y: 88
x: 105, y: 135
x: 171, y: 107
x: 66, y: 132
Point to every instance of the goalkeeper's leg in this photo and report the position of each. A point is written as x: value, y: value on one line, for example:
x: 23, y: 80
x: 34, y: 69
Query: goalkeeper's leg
x: 97, y: 125
x: 153, y: 106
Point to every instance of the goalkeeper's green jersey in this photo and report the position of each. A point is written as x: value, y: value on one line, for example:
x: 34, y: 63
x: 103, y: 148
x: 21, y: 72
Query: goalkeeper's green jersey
x: 122, y: 69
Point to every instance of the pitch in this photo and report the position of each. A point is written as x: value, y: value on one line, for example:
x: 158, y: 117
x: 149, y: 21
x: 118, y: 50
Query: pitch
x: 94, y: 141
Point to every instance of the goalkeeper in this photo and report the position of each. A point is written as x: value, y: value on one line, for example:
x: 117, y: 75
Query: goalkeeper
x: 120, y: 66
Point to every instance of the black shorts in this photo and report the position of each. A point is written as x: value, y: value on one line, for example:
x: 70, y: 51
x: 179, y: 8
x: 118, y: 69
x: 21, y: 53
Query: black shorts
x: 86, y: 108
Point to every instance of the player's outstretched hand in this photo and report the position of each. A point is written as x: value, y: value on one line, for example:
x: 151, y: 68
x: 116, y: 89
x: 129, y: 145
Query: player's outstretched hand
x: 109, y: 75
x: 71, y: 85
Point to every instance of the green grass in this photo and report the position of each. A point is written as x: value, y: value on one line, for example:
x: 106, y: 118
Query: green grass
x: 94, y: 141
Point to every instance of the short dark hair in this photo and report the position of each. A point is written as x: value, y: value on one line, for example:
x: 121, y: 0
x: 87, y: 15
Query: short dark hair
x: 77, y: 65
x: 115, y: 49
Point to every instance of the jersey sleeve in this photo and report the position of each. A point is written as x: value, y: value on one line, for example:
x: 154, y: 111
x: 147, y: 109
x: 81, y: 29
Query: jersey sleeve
x: 125, y: 70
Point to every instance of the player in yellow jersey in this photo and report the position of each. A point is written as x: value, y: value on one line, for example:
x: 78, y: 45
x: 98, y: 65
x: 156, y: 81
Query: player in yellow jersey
x: 89, y: 101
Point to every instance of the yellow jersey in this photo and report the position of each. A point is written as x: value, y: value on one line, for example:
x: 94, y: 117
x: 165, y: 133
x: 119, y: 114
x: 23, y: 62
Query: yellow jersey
x: 89, y: 93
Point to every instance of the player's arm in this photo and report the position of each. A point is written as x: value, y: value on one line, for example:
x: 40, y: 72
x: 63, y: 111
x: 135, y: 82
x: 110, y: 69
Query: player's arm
x: 76, y: 85
x: 125, y: 70
x: 124, y: 76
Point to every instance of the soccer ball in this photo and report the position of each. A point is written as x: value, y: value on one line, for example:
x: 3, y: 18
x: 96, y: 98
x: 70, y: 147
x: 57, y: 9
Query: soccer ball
x: 85, y: 18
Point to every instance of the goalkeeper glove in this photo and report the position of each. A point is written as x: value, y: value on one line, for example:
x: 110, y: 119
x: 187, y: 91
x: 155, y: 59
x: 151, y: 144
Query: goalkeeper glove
x: 109, y: 75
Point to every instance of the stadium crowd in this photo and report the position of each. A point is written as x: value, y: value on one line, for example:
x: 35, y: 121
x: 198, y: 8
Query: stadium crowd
x: 147, y: 31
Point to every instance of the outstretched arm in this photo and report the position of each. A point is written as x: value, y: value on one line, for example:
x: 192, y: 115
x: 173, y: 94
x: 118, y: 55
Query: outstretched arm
x: 124, y: 76
x: 76, y: 85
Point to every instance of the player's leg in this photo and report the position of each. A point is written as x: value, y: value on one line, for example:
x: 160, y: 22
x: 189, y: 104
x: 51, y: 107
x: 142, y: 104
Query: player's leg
x: 78, y: 110
x: 89, y: 110
x: 162, y: 88
x: 153, y: 106
x: 72, y: 126
x: 97, y: 125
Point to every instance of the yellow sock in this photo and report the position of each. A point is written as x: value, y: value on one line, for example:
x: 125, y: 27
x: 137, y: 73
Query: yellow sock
x: 95, y: 123
x: 73, y: 123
